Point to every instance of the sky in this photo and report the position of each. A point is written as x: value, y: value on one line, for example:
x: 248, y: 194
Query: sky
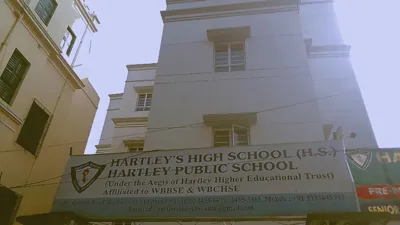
x: 131, y: 31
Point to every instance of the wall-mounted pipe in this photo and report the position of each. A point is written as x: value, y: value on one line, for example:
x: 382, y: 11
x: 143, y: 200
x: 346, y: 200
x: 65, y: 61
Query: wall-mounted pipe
x: 6, y: 40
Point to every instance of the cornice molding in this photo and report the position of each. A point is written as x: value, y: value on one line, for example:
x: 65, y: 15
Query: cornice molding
x: 182, y: 1
x: 136, y: 67
x: 103, y: 146
x: 322, y: 51
x: 308, y: 2
x: 40, y: 33
x: 240, y: 9
x: 86, y: 16
x: 143, y: 89
x: 133, y: 141
x: 116, y: 96
x: 130, y: 121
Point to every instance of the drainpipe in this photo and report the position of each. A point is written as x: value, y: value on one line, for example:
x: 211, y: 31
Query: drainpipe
x: 4, y: 43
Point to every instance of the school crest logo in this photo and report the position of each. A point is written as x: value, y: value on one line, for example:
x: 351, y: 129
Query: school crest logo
x: 85, y: 175
x: 359, y: 157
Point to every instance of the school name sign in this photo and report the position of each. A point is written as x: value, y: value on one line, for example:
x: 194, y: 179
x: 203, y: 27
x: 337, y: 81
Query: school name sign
x: 245, y: 181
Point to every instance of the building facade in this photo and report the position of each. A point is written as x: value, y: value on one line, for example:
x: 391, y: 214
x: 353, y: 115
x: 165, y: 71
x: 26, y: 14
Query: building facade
x: 241, y: 73
x: 46, y: 108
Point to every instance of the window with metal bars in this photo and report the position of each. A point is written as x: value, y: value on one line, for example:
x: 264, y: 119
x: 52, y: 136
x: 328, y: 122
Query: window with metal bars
x: 45, y: 10
x: 229, y: 57
x: 12, y: 76
x: 68, y: 41
x: 234, y: 136
x: 34, y: 130
x: 144, y: 102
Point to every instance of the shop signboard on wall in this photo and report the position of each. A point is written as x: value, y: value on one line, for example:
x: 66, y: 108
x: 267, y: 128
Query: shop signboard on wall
x: 212, y: 183
x: 376, y: 173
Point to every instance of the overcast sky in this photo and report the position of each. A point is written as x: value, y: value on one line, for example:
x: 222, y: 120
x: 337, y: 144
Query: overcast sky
x: 131, y: 30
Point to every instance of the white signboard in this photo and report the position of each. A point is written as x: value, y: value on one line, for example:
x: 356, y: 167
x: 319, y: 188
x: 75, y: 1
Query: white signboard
x: 245, y: 181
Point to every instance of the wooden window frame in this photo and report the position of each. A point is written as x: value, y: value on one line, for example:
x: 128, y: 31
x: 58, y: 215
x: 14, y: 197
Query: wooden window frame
x: 145, y: 101
x: 28, y: 65
x: 47, y: 20
x: 229, y: 65
x: 231, y: 135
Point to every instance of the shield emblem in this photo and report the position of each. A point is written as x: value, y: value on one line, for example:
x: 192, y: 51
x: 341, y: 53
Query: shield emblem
x: 360, y: 158
x: 85, y: 175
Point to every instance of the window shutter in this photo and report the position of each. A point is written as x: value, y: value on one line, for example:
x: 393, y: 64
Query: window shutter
x: 240, y: 135
x: 148, y: 102
x: 34, y: 129
x: 221, y: 138
x: 221, y: 61
x: 10, y: 200
x: 12, y: 76
x: 45, y: 10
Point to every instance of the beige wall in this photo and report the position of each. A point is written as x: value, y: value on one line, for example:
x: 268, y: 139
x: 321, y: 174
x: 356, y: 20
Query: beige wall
x: 73, y: 113
x: 64, y: 16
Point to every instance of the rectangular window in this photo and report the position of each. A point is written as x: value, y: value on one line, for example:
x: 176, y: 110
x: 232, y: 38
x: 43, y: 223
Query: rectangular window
x: 12, y: 76
x: 235, y: 136
x: 10, y: 203
x: 45, y: 10
x: 68, y: 41
x: 229, y: 57
x: 136, y: 147
x: 34, y: 129
x: 144, y: 102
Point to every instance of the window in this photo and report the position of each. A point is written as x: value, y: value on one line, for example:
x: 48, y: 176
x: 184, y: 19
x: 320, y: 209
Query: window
x: 234, y: 136
x: 68, y: 41
x: 12, y: 76
x: 10, y: 203
x: 144, y: 102
x: 34, y: 129
x: 136, y: 147
x: 45, y: 10
x: 229, y: 57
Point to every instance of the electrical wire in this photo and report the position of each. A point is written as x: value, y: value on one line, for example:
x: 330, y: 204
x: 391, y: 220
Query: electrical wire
x: 229, y: 163
x: 162, y: 129
x: 169, y: 128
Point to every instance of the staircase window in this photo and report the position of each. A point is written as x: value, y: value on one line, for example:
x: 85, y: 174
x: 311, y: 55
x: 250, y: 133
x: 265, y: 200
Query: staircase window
x: 12, y: 76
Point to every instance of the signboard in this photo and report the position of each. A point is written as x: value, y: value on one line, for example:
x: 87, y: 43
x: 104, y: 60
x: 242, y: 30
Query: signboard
x: 238, y: 182
x: 376, y: 173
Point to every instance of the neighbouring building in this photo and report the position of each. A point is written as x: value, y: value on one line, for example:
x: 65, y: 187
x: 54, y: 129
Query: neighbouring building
x: 243, y: 72
x: 46, y: 109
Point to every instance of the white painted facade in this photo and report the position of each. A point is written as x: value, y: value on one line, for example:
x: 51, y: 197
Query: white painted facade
x: 298, y: 84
